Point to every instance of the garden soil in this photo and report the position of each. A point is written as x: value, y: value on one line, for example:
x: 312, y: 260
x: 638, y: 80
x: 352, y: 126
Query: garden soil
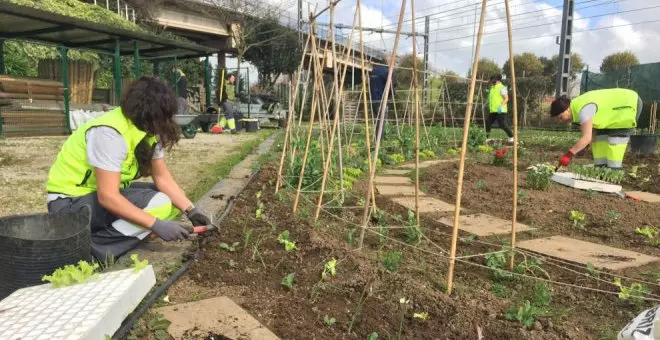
x: 548, y: 211
x: 363, y: 297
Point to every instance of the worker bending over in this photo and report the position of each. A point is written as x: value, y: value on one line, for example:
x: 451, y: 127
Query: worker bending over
x: 607, y: 119
x: 99, y: 161
x: 230, y: 103
x: 498, y: 98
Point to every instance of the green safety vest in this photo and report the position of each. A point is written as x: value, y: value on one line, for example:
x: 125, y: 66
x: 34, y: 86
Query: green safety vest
x: 617, y: 108
x: 71, y: 175
x: 230, y: 89
x: 495, y: 98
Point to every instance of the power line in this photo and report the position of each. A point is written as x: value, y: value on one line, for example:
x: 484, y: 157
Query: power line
x: 548, y: 23
x: 526, y: 20
x: 552, y: 35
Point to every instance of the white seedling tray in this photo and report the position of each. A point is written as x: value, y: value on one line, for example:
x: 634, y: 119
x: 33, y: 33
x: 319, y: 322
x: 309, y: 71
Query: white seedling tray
x: 90, y: 310
x: 569, y: 179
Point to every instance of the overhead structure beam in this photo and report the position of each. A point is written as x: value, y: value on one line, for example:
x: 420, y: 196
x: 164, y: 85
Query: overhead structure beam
x: 374, y: 30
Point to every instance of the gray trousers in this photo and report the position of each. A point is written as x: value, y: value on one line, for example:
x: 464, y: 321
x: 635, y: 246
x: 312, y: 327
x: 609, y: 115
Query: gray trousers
x: 112, y: 237
x: 183, y: 106
x: 231, y: 110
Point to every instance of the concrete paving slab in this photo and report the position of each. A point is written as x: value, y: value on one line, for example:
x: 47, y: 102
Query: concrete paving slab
x: 484, y: 225
x: 218, y: 315
x: 397, y: 190
x: 426, y: 204
x: 645, y: 196
x: 392, y: 180
x: 569, y: 179
x: 600, y: 256
x: 396, y: 172
x: 426, y: 164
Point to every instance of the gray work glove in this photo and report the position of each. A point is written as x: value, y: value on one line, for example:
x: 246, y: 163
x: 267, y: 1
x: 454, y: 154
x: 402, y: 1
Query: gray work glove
x: 170, y: 230
x: 197, y: 217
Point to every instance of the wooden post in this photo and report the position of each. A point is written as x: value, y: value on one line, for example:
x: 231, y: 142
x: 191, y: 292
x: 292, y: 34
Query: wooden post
x: 514, y: 214
x: 388, y: 85
x: 461, y: 164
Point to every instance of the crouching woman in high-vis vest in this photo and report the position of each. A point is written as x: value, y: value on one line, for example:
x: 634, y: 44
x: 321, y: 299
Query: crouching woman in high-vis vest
x: 607, y: 119
x: 99, y: 161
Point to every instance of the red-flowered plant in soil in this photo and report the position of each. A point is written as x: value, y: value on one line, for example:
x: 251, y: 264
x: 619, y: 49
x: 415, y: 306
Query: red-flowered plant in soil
x: 499, y: 158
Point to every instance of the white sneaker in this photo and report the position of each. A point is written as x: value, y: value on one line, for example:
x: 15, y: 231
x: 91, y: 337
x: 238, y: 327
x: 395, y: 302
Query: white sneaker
x: 511, y: 140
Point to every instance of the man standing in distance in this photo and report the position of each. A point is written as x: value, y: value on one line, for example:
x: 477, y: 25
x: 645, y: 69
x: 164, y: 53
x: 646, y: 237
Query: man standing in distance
x: 498, y: 98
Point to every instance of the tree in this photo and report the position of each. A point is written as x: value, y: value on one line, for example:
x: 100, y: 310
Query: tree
x: 487, y: 68
x: 527, y: 65
x: 618, y: 61
x: 550, y: 65
x: 404, y: 73
x: 275, y: 50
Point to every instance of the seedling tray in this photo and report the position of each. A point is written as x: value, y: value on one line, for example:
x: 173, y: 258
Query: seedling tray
x: 89, y: 311
x: 572, y: 180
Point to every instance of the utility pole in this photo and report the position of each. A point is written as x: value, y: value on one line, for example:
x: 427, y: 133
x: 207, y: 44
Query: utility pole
x: 425, y: 81
x: 565, y: 44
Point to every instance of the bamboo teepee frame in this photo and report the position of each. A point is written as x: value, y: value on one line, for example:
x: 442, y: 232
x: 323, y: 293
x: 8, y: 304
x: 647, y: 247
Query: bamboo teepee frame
x: 332, y: 133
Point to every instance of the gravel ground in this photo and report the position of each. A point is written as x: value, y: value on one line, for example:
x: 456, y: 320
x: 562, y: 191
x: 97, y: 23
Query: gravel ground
x: 24, y: 165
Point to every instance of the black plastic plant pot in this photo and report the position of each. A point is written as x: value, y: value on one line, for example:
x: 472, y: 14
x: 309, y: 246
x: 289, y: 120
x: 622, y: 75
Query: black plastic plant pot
x: 251, y: 125
x: 240, y: 125
x: 35, y: 245
x: 644, y: 144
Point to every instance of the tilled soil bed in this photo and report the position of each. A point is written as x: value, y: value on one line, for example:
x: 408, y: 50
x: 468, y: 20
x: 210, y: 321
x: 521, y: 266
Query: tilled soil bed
x: 488, y: 189
x: 362, y: 297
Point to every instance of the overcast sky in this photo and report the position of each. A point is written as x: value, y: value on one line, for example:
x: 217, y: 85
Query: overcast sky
x: 601, y: 27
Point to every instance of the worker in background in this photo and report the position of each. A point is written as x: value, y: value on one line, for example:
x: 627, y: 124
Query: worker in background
x: 498, y: 98
x: 229, y: 103
x: 607, y: 119
x: 181, y: 87
x: 99, y: 161
x: 377, y: 82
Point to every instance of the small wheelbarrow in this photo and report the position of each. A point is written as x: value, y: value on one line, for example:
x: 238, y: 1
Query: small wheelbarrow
x: 188, y: 123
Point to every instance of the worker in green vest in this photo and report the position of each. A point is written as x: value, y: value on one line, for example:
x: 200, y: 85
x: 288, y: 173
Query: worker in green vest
x: 99, y: 161
x: 607, y: 119
x: 498, y: 98
x: 229, y: 103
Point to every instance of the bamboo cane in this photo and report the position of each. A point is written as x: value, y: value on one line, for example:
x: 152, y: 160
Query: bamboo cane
x: 286, y: 141
x: 388, y: 84
x: 416, y: 109
x: 309, y: 131
x: 365, y: 107
x: 514, y: 214
x: 338, y: 93
x: 461, y: 164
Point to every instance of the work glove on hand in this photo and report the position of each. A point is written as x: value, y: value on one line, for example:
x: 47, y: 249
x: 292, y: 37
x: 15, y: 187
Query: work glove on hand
x: 565, y: 160
x: 500, y: 109
x: 197, y: 217
x: 170, y: 230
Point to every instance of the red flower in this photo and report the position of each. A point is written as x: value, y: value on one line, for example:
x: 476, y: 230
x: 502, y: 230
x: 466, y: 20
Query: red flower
x: 500, y: 153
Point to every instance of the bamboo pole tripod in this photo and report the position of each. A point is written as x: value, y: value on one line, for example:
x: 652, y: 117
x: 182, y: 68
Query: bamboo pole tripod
x: 466, y: 125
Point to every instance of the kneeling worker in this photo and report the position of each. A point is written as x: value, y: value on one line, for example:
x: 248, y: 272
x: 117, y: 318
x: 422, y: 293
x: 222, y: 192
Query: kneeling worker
x: 99, y: 160
x: 607, y: 119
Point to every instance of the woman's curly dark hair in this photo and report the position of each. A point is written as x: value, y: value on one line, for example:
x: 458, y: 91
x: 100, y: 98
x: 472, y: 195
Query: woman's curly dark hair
x: 151, y: 105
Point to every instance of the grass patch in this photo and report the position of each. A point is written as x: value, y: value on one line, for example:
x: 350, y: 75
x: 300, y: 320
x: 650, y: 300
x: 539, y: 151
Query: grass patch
x: 222, y: 168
